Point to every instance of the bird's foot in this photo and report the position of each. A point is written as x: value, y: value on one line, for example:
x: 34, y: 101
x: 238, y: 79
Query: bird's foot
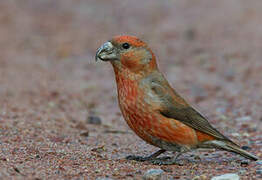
x: 147, y: 158
x: 170, y: 161
x: 138, y: 158
x: 166, y: 161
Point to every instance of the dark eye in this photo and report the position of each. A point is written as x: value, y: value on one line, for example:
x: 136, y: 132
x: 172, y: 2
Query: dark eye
x: 125, y: 45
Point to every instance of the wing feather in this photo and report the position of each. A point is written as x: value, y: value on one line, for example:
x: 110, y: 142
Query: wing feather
x: 175, y: 107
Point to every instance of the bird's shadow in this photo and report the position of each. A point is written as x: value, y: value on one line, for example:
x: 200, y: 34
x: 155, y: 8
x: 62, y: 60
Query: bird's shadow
x: 191, y: 159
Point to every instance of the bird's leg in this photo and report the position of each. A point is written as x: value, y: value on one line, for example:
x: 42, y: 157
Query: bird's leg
x: 147, y: 158
x: 168, y: 162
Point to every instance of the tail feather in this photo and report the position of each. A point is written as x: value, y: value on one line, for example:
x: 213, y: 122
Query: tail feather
x: 228, y: 146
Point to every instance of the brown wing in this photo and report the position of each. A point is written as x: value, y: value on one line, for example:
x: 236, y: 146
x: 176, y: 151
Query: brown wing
x: 174, y: 106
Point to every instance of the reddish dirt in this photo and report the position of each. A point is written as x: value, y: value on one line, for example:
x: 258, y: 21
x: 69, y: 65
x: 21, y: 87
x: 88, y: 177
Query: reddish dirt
x: 210, y: 51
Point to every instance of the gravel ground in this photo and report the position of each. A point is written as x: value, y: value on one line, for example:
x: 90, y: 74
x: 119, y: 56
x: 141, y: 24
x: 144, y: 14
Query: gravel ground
x: 53, y: 94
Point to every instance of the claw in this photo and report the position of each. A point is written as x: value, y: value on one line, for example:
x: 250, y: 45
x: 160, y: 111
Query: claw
x: 166, y: 162
x: 137, y: 158
x: 147, y: 158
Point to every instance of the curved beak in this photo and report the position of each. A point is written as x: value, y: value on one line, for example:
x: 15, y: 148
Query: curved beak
x: 106, y: 52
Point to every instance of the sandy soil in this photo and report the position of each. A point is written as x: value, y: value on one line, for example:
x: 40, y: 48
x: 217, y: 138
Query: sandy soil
x: 210, y: 51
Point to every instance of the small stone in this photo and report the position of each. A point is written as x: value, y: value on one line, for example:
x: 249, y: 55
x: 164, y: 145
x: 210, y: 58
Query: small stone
x: 190, y: 34
x: 201, y: 177
x: 229, y: 176
x: 94, y: 120
x: 85, y: 134
x: 54, y: 94
x: 236, y: 134
x: 153, y: 174
x: 16, y: 169
x: 245, y: 134
x: 197, y: 157
x: 196, y: 178
x: 81, y: 126
x: 259, y: 171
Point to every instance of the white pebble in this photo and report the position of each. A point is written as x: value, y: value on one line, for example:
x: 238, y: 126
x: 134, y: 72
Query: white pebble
x: 229, y: 176
x: 153, y: 174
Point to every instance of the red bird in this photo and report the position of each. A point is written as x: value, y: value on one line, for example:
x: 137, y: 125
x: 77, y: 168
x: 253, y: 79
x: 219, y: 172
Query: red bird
x: 152, y: 109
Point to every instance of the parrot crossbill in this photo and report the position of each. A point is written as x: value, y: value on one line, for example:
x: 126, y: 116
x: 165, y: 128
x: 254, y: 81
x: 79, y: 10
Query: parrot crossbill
x: 152, y: 108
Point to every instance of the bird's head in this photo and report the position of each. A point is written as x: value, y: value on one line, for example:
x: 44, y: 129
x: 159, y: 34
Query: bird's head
x: 127, y: 53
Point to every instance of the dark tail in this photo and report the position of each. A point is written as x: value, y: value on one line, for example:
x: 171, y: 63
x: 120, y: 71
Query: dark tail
x: 228, y: 146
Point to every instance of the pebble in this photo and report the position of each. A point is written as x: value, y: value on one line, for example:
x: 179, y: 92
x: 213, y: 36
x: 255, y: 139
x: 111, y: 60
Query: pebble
x: 245, y: 134
x: 201, y: 177
x: 196, y: 178
x: 94, y: 120
x: 229, y: 176
x: 86, y: 134
x: 236, y: 134
x: 81, y: 126
x: 153, y: 174
x: 190, y: 34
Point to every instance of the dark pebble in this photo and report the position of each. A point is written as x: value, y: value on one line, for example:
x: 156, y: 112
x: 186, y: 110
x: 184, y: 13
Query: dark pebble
x: 81, y: 126
x: 94, y: 120
x: 3, y: 159
x: 190, y: 34
x: 17, y: 170
x: 86, y: 134
x: 246, y: 148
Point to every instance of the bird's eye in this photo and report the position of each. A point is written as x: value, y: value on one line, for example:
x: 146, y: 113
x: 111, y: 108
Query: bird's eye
x: 125, y: 45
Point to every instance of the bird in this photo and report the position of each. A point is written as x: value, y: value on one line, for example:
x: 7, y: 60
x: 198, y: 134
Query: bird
x: 153, y: 109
